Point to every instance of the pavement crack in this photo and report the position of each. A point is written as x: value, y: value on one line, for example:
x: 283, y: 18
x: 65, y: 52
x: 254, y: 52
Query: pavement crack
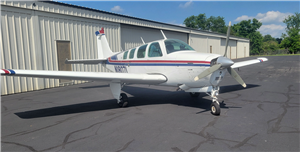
x: 197, y: 146
x: 242, y: 143
x: 202, y: 133
x: 260, y: 107
x: 18, y: 144
x: 276, y: 127
x: 125, y: 146
x: 68, y: 135
x: 66, y: 139
x: 176, y: 149
x: 210, y: 138
x: 28, y: 132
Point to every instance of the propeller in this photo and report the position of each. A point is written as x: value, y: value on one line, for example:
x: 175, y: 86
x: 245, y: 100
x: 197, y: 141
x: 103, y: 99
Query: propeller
x: 222, y: 62
x: 227, y: 38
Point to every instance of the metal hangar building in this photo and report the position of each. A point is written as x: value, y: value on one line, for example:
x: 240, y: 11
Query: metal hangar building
x: 39, y: 35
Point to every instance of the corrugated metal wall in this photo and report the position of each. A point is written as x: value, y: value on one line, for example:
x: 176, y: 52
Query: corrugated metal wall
x: 28, y: 41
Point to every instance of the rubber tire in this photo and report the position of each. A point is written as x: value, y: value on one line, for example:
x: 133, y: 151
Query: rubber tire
x: 123, y: 100
x: 194, y: 94
x: 215, y: 108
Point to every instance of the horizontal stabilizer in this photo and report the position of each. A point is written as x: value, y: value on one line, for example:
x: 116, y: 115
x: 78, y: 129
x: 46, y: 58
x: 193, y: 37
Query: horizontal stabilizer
x: 85, y: 61
x: 249, y: 62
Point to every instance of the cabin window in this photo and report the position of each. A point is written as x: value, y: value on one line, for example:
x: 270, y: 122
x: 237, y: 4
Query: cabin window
x: 125, y: 55
x: 177, y: 45
x: 141, y: 52
x: 154, y: 50
x: 131, y: 54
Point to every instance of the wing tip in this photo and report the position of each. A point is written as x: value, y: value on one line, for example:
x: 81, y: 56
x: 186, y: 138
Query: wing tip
x: 8, y: 72
x: 262, y: 59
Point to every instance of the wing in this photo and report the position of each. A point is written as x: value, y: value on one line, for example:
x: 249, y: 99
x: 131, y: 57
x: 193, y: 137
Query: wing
x: 96, y: 76
x: 249, y: 62
x: 86, y: 61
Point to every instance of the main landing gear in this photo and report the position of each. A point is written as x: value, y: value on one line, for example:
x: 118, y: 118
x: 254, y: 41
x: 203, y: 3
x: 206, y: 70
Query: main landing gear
x: 215, y: 105
x: 122, y: 98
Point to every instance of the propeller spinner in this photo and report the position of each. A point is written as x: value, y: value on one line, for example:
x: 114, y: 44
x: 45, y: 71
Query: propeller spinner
x: 222, y: 62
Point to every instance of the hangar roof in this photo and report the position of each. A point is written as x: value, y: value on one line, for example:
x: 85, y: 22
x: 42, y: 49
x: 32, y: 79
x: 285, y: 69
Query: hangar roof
x: 141, y: 19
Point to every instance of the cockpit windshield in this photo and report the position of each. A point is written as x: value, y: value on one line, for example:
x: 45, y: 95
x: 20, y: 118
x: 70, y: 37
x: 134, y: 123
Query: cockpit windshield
x: 173, y: 45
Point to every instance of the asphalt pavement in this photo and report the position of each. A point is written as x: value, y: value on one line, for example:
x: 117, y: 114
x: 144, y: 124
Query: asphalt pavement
x: 85, y: 117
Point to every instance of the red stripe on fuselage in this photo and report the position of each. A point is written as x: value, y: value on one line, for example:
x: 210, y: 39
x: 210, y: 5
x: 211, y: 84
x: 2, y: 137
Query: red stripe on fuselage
x: 6, y: 71
x: 156, y: 61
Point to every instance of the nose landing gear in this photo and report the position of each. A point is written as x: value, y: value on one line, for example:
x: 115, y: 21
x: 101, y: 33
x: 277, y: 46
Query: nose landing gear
x: 215, y: 105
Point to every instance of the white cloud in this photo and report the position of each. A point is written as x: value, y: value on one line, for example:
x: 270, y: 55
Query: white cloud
x: 272, y: 29
x: 269, y: 17
x: 185, y: 5
x: 116, y: 9
x: 243, y: 17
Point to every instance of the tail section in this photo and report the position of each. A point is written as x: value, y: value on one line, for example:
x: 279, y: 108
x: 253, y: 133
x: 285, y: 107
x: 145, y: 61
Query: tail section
x: 104, y: 50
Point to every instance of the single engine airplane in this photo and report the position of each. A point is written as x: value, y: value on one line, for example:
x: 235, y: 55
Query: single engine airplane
x: 166, y: 62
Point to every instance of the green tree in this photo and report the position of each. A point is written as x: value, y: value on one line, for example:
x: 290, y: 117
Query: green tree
x: 214, y: 24
x: 256, y: 40
x: 191, y: 22
x: 291, y: 41
x: 270, y: 46
x: 268, y: 37
x: 292, y: 21
x: 248, y: 29
x: 201, y: 22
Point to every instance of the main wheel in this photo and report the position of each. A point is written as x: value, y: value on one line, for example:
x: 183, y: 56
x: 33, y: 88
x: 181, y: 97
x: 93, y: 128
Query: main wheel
x: 215, y: 108
x: 123, y: 100
x: 194, y: 94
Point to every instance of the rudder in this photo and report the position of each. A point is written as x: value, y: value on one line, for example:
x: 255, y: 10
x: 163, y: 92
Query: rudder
x: 104, y: 50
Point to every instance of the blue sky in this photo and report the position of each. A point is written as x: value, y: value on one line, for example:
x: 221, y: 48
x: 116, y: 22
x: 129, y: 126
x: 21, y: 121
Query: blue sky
x: 270, y: 13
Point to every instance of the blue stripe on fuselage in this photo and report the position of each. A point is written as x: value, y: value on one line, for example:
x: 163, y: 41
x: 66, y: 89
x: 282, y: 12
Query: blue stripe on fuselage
x: 156, y: 64
x: 11, y: 71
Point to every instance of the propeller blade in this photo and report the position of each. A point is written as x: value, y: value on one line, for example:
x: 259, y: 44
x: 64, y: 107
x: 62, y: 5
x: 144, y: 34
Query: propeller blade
x: 208, y: 71
x: 227, y: 39
x: 236, y: 76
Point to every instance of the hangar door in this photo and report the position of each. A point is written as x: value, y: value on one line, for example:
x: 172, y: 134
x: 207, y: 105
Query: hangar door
x: 131, y: 35
x: 231, y: 50
x: 199, y: 43
x: 242, y: 49
x: 205, y: 44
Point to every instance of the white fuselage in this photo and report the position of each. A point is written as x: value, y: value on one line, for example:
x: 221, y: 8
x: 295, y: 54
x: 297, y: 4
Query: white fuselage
x: 179, y: 67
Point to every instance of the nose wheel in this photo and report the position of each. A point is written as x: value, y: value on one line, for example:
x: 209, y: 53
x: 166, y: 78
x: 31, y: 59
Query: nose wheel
x: 215, y: 108
x: 215, y: 105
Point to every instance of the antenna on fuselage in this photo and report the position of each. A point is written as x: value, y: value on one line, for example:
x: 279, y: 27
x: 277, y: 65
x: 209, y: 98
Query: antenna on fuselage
x: 163, y: 34
x: 142, y: 40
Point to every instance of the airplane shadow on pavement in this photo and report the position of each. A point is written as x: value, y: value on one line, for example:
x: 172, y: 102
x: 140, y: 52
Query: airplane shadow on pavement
x: 141, y: 96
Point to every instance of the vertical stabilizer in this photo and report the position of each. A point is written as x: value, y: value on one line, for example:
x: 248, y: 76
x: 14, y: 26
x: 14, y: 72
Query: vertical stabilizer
x: 104, y: 50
